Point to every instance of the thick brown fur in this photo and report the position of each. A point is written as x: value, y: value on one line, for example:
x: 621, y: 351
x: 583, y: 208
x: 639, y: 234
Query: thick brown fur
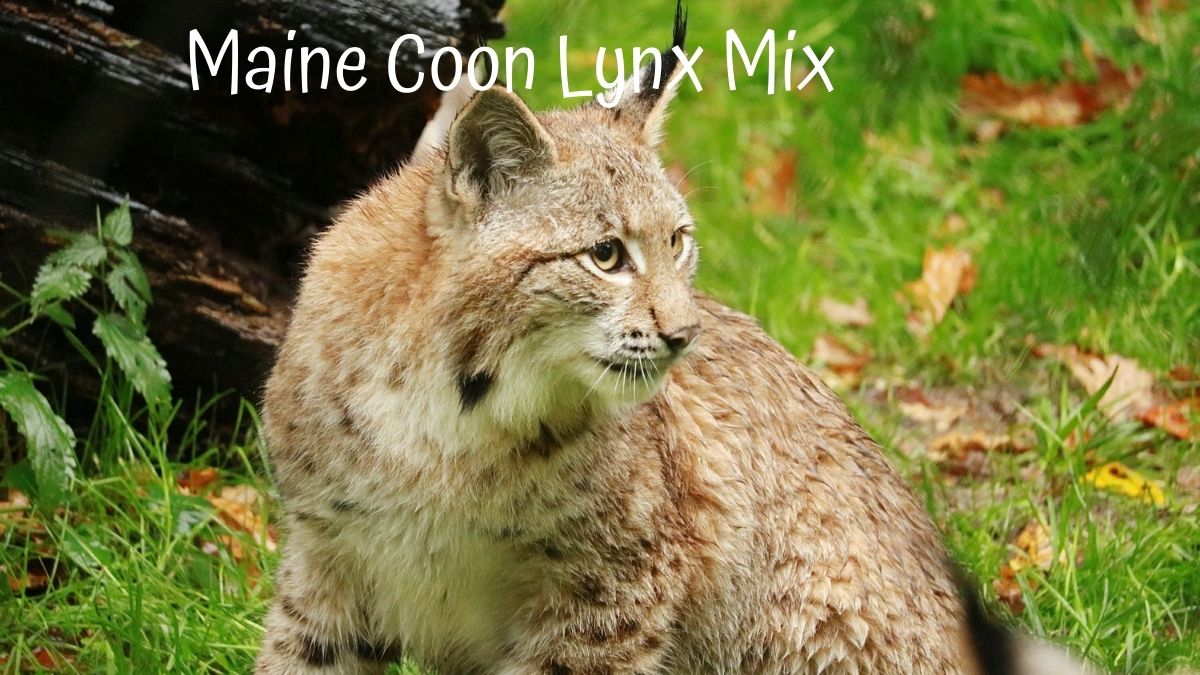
x: 496, y: 457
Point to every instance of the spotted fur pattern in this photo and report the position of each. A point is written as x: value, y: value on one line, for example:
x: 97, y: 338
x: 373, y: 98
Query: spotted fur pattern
x: 496, y: 457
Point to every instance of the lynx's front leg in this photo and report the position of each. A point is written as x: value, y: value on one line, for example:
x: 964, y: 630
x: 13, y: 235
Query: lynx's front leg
x: 316, y: 624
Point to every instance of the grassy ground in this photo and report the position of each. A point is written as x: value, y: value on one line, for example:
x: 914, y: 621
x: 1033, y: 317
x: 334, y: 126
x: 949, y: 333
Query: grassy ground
x: 1088, y: 235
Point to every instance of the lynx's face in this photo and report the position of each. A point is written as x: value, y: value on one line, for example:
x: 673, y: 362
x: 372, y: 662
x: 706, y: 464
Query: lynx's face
x: 610, y: 261
x: 577, y: 250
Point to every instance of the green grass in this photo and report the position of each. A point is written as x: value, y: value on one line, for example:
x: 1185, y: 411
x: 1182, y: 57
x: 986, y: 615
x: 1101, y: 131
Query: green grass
x: 1096, y: 242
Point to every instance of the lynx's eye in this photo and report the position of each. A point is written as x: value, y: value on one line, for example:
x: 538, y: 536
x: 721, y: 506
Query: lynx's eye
x: 678, y: 239
x: 607, y: 255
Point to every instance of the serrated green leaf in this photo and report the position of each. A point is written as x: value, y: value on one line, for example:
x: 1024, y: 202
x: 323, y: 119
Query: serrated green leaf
x: 117, y: 226
x: 137, y: 276
x: 85, y: 250
x: 129, y: 287
x: 50, y: 440
x: 56, y: 283
x: 58, y: 315
x: 126, y: 344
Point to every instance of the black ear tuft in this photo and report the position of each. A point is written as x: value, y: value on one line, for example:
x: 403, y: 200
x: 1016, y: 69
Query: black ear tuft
x: 679, y: 35
x: 670, y: 59
x: 643, y: 106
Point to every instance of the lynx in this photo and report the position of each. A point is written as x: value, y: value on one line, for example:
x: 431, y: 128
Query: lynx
x: 511, y: 438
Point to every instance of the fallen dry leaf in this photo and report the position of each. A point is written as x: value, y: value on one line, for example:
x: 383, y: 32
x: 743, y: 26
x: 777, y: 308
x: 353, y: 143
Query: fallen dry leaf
x: 1008, y: 590
x: 771, y: 186
x: 916, y: 406
x: 14, y: 509
x: 1118, y: 478
x: 854, y: 314
x: 945, y: 274
x: 239, y: 507
x: 992, y: 199
x: 1033, y: 549
x: 1175, y: 418
x: 1131, y: 390
x: 957, y: 442
x: 44, y: 658
x: 1069, y: 103
x: 1187, y: 377
x: 841, y: 364
x: 36, y: 577
x: 192, y: 481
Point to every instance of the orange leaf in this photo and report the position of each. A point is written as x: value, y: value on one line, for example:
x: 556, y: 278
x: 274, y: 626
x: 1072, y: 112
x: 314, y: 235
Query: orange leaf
x: 1009, y: 591
x: 1033, y: 548
x: 1174, y: 418
x: 1066, y: 104
x: 44, y: 658
x: 236, y: 506
x: 771, y: 186
x: 958, y: 443
x: 192, y: 481
x: 945, y: 274
x: 841, y: 361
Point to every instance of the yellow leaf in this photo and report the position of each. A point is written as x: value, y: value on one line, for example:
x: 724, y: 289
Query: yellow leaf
x: 1116, y: 477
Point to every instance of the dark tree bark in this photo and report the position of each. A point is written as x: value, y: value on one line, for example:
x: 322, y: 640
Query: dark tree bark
x: 96, y: 104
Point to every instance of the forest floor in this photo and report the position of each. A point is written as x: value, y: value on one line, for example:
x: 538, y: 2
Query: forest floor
x: 996, y: 209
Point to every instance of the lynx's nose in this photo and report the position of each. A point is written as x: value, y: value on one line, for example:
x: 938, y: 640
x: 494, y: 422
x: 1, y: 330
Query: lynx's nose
x: 682, y: 338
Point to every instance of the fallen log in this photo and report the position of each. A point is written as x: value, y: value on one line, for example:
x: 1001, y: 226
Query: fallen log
x: 97, y: 105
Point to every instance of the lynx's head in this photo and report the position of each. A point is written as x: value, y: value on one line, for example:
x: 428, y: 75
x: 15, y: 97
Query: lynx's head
x: 572, y: 248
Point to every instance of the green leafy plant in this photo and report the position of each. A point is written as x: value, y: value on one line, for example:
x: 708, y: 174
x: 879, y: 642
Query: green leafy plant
x: 117, y: 310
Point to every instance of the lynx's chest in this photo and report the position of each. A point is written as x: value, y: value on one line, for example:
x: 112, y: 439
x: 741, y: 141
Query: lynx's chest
x: 440, y: 587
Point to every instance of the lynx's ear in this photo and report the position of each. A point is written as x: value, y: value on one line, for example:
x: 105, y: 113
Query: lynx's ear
x: 493, y: 141
x: 644, y: 97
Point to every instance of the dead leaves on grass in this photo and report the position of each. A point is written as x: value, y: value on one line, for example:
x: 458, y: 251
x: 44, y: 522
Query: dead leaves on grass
x: 963, y: 454
x: 38, y: 572
x: 945, y: 274
x: 1032, y: 549
x: 917, y: 406
x: 1131, y: 388
x: 240, y: 508
x: 840, y: 365
x: 771, y: 185
x: 1132, y: 393
x: 991, y: 101
x: 1175, y: 418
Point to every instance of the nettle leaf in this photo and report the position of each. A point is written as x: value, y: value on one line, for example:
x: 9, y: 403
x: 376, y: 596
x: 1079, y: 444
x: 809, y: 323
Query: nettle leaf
x: 50, y: 440
x: 128, y: 285
x: 85, y: 250
x: 58, y: 315
x: 67, y: 272
x: 55, y: 283
x: 117, y: 227
x: 126, y: 343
